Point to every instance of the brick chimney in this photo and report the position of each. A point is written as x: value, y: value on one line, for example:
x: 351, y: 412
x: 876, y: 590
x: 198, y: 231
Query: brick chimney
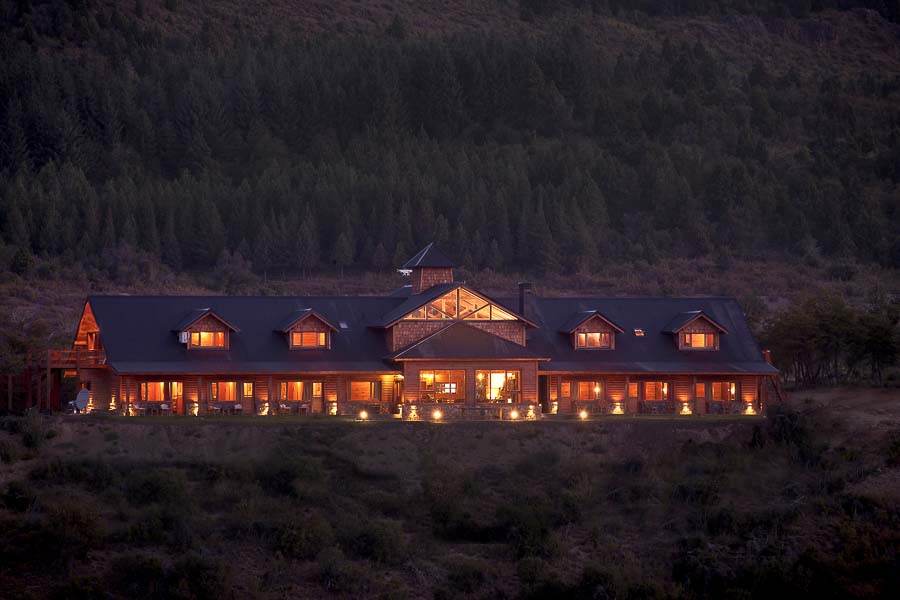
x: 428, y: 268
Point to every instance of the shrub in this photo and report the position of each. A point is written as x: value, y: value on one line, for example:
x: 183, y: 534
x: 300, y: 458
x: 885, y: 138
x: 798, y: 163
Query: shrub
x: 9, y: 453
x: 164, y: 486
x: 449, y: 493
x: 147, y: 529
x: 73, y: 529
x: 34, y: 432
x: 788, y: 427
x: 528, y: 528
x: 199, y: 578
x: 304, y: 536
x: 18, y: 496
x: 80, y: 587
x: 341, y: 576
x: 290, y: 474
x: 378, y: 539
x: 137, y: 576
x: 539, y: 579
x: 892, y: 454
x: 468, y: 574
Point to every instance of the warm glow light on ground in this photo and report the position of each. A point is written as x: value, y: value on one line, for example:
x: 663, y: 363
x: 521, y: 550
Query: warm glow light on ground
x: 583, y: 415
x: 437, y: 415
x: 363, y: 415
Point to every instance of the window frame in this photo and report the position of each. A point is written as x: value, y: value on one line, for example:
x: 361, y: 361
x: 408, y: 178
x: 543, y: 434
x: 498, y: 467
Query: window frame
x: 594, y: 389
x: 604, y: 340
x: 214, y: 390
x: 145, y: 389
x: 482, y: 389
x: 710, y: 340
x: 322, y: 341
x: 454, y: 377
x: 374, y: 390
x: 663, y: 391
x: 198, y: 334
x: 451, y: 310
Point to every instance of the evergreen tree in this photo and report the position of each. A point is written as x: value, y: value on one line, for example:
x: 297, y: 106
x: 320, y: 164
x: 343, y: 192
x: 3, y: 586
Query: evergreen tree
x: 343, y: 252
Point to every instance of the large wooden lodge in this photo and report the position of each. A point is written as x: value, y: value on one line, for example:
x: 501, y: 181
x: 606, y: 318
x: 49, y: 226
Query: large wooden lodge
x: 433, y: 349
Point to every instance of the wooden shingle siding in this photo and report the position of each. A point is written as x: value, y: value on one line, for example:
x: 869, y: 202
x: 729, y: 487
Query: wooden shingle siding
x: 405, y: 333
x: 596, y: 325
x: 514, y: 331
x: 427, y: 277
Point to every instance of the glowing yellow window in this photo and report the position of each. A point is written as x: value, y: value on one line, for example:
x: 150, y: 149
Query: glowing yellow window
x: 699, y: 340
x: 309, y: 339
x: 248, y: 389
x: 153, y: 391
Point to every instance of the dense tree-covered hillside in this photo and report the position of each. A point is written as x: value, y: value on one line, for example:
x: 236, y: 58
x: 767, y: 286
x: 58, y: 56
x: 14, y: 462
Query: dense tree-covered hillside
x: 588, y: 130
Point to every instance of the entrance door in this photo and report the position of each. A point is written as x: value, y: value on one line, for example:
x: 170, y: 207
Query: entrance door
x: 544, y: 393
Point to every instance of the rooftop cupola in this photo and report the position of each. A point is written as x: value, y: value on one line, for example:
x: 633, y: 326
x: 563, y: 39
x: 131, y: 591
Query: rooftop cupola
x: 429, y: 267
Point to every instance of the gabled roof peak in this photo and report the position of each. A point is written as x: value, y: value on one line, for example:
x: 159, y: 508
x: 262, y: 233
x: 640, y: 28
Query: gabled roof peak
x: 301, y: 314
x: 197, y: 314
x: 573, y: 322
x: 683, y: 319
x: 429, y: 256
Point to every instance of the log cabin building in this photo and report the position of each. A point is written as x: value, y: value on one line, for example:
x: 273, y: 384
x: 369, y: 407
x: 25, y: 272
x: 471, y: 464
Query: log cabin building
x: 433, y: 349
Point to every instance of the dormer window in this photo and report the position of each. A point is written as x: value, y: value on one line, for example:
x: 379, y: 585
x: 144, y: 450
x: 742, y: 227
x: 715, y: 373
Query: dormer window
x: 309, y: 339
x: 207, y: 339
x: 590, y: 330
x: 593, y: 339
x: 306, y: 329
x: 694, y: 330
x: 202, y: 328
x: 699, y: 341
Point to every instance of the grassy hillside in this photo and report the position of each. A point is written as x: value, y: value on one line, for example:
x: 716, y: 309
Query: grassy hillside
x: 803, y: 502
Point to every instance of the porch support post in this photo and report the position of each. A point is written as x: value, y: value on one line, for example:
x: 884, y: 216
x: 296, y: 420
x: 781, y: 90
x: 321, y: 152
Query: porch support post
x: 49, y: 380
x: 127, y: 396
x: 270, y: 393
x: 629, y: 405
x: 37, y: 377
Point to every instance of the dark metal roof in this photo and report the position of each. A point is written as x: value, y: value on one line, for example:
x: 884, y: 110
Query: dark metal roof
x: 580, y: 317
x: 301, y: 315
x: 682, y: 320
x: 429, y: 256
x: 137, y: 335
x: 460, y: 341
x: 197, y: 314
x: 138, y: 338
x: 656, y: 350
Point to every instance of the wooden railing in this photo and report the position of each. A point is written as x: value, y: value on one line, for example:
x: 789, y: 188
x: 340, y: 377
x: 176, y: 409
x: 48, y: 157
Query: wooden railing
x: 72, y: 359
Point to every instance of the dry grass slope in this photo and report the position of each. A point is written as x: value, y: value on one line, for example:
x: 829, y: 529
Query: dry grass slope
x: 798, y: 503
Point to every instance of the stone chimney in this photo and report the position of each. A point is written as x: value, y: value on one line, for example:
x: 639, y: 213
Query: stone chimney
x: 428, y: 268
